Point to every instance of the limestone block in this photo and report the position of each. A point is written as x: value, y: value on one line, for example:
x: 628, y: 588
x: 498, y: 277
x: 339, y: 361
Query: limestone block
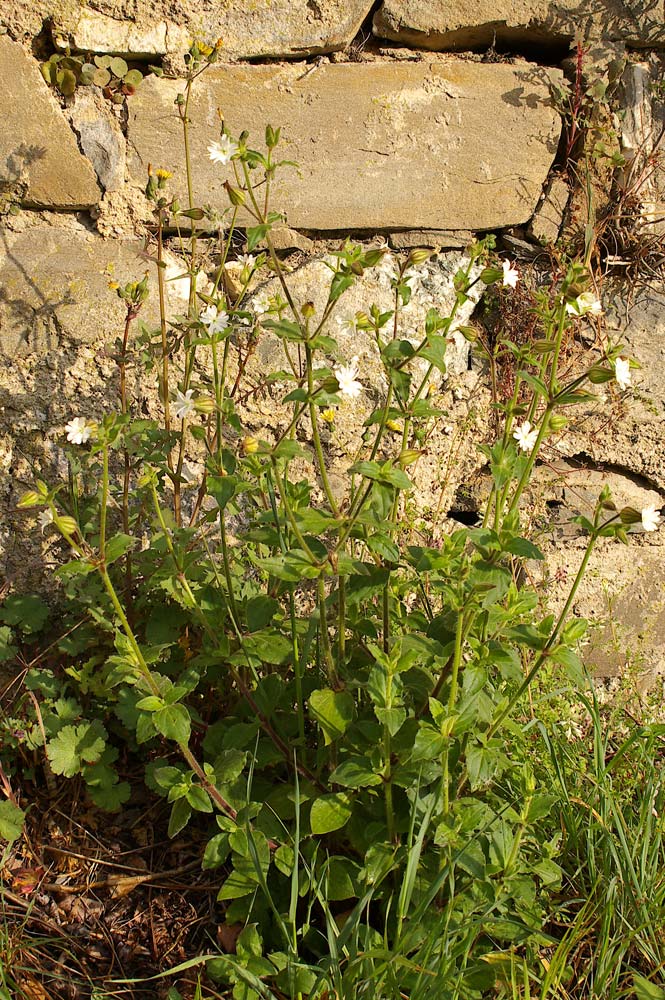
x: 54, y: 288
x: 95, y: 32
x: 289, y: 28
x: 447, y: 145
x: 548, y: 218
x: 100, y: 136
x: 39, y: 158
x: 449, y: 25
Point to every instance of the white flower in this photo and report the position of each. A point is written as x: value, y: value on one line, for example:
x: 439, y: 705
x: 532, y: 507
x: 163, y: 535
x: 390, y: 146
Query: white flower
x: 261, y: 303
x: 184, y: 404
x: 78, y: 430
x: 526, y: 436
x: 510, y: 274
x: 650, y: 518
x: 216, y: 322
x: 622, y: 372
x: 246, y: 260
x: 45, y: 518
x: 346, y: 324
x: 346, y: 375
x: 584, y: 303
x: 222, y: 151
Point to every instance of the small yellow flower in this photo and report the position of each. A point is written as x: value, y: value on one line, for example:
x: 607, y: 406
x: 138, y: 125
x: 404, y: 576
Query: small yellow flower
x: 393, y: 425
x: 328, y: 416
x: 163, y: 174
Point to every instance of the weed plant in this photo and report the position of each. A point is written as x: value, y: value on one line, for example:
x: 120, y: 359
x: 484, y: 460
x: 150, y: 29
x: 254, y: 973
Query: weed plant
x: 388, y: 819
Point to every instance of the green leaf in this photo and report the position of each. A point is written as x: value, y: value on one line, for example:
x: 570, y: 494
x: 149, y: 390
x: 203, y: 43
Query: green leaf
x: 199, y: 799
x: 255, y: 234
x: 27, y: 612
x: 216, y: 852
x: 260, y: 611
x: 118, y: 67
x: 330, y: 812
x: 355, y: 773
x: 646, y: 990
x: 339, y: 285
x: 74, y: 745
x: 392, y: 718
x: 117, y: 547
x: 173, y: 722
x: 524, y: 548
x: 333, y: 710
x: 7, y: 649
x: 11, y: 821
x: 179, y: 818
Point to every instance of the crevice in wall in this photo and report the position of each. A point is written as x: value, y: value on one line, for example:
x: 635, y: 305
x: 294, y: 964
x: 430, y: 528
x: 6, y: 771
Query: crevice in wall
x: 583, y: 461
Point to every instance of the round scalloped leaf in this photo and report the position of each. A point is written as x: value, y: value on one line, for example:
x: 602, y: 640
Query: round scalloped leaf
x: 73, y: 64
x: 133, y: 78
x: 66, y: 82
x: 49, y: 71
x: 118, y: 67
x: 103, y: 61
x: 101, y: 77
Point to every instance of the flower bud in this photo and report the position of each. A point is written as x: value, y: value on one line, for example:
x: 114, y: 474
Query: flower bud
x: 250, y: 445
x: 29, y: 499
x: 490, y: 274
x: 66, y: 524
x: 308, y: 310
x: 204, y: 404
x: 629, y: 515
x: 236, y: 197
x: 557, y: 422
x: 418, y: 257
x: 409, y: 456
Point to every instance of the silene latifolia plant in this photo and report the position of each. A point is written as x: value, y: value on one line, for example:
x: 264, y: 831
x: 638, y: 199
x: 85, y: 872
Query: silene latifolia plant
x: 342, y: 706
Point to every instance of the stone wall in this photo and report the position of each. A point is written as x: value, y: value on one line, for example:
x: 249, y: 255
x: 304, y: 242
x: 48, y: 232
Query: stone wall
x: 424, y: 122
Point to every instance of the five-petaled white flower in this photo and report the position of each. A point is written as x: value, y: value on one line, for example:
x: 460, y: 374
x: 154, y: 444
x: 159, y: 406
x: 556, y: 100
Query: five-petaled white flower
x: 45, y: 518
x: 184, y: 405
x: 526, y: 436
x: 78, y: 430
x: 222, y: 151
x: 346, y: 324
x: 622, y: 372
x: 583, y: 304
x: 216, y: 322
x: 346, y: 376
x: 261, y: 303
x: 246, y: 260
x: 510, y: 274
x: 650, y: 517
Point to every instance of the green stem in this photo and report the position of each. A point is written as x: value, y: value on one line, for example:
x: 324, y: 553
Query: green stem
x: 325, y: 638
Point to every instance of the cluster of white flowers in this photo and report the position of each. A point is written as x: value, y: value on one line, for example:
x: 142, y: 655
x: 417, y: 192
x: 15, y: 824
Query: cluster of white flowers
x: 347, y: 376
x: 223, y: 151
x: 526, y: 436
